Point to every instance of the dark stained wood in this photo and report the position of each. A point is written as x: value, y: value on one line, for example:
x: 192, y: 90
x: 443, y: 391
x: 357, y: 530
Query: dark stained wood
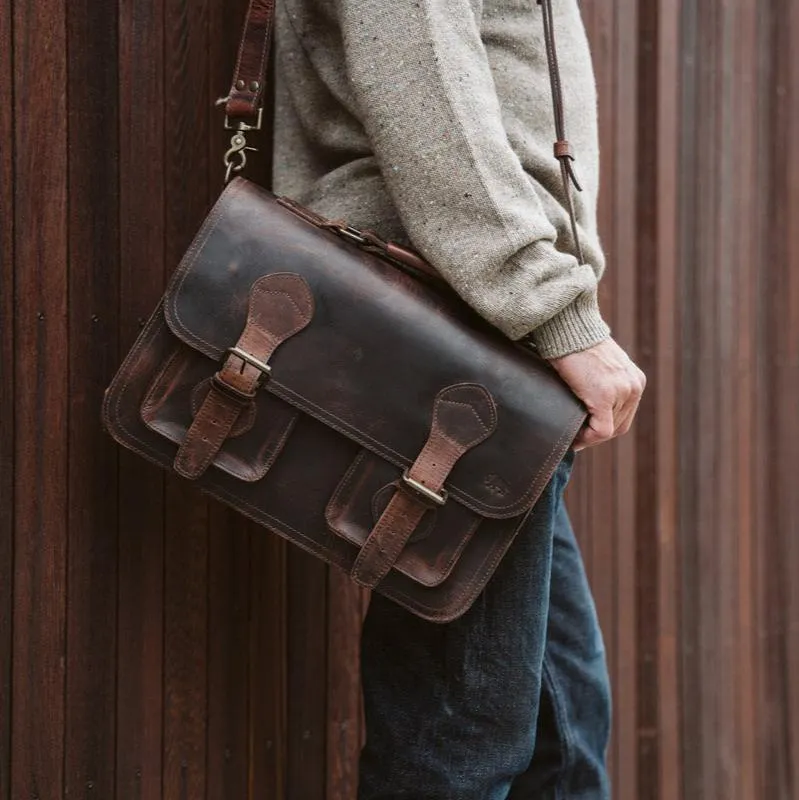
x: 40, y: 411
x: 307, y: 677
x: 228, y: 655
x: 666, y: 85
x: 139, y: 740
x: 268, y: 654
x: 6, y: 390
x: 344, y: 707
x: 228, y: 757
x: 646, y: 562
x: 90, y: 689
x: 154, y: 646
x: 186, y: 517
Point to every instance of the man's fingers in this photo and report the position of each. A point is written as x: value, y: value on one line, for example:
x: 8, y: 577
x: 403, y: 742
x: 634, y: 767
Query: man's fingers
x: 598, y: 429
x: 610, y: 386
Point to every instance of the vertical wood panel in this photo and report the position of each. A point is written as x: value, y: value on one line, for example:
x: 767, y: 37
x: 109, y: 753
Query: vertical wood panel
x: 186, y: 38
x: 6, y: 388
x: 229, y: 533
x: 219, y: 663
x: 268, y: 678
x: 40, y: 381
x: 228, y: 654
x: 345, y: 604
x: 90, y: 688
x: 663, y: 520
x: 307, y: 676
x: 141, y: 487
x: 780, y: 637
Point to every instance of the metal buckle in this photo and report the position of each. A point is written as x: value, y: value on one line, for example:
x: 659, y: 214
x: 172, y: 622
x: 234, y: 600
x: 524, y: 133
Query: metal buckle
x: 352, y: 234
x: 261, y: 366
x: 421, y: 489
x: 241, y: 125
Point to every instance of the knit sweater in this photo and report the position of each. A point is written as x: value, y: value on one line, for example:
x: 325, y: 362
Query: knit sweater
x: 430, y: 122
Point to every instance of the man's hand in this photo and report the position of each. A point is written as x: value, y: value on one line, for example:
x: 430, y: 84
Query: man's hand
x: 606, y: 380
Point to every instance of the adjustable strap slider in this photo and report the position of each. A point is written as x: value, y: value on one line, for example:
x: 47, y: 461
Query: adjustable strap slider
x: 434, y: 498
x: 563, y: 149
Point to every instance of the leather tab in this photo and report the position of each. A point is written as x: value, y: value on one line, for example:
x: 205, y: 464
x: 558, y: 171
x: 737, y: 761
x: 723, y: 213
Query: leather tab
x: 281, y: 305
x: 464, y: 415
x: 247, y: 89
x: 563, y: 149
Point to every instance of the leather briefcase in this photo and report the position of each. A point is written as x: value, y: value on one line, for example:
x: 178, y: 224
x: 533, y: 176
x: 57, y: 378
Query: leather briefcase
x: 325, y: 385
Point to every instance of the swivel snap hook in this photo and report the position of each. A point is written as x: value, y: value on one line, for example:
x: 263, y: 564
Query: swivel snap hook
x: 235, y: 158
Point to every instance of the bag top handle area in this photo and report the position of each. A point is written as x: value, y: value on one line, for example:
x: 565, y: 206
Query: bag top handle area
x: 244, y: 102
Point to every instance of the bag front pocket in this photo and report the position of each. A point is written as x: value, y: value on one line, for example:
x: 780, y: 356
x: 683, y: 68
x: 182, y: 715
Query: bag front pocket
x: 176, y: 394
x: 435, y: 546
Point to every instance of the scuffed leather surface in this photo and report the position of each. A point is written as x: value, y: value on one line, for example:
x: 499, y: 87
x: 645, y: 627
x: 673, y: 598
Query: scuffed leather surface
x: 352, y: 393
x: 175, y: 396
x: 361, y: 499
x: 380, y: 347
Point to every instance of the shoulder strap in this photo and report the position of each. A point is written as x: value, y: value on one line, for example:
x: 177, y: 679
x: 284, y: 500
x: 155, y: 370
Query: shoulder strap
x: 244, y: 102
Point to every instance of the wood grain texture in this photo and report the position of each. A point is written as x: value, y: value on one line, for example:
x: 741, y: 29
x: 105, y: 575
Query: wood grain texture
x: 154, y: 646
x: 140, y: 526
x: 186, y: 38
x: 306, y: 691
x: 228, y: 655
x: 7, y: 435
x: 40, y: 411
x: 344, y: 706
x: 268, y: 740
x: 90, y: 690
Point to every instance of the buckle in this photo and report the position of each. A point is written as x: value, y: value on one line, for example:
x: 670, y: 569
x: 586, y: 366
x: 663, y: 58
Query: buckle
x: 239, y: 124
x: 426, y: 494
x: 247, y: 358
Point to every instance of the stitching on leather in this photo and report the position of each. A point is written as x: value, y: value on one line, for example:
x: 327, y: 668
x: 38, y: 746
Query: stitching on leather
x: 305, y: 315
x: 385, y: 558
x: 184, y: 269
x: 301, y: 540
x: 250, y: 408
x: 324, y: 416
x: 479, y: 387
x: 442, y: 574
x: 148, y: 402
x: 467, y: 499
x: 468, y: 593
x: 264, y: 48
x: 339, y: 490
x: 224, y: 413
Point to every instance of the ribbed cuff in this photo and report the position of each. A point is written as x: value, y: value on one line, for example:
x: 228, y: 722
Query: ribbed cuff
x: 578, y: 327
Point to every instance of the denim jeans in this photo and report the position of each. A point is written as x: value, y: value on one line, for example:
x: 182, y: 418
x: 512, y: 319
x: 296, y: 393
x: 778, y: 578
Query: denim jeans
x: 512, y: 700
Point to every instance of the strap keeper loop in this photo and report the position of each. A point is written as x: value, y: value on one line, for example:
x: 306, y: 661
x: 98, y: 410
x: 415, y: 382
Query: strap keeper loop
x: 563, y: 149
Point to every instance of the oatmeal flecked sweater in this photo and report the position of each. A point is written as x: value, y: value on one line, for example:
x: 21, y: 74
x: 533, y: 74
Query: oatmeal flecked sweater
x: 430, y: 122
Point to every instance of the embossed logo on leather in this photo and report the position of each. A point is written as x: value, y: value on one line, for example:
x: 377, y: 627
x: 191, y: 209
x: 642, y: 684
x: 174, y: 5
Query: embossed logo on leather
x: 496, y: 486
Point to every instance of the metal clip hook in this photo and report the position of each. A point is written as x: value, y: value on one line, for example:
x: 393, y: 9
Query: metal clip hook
x: 236, y: 156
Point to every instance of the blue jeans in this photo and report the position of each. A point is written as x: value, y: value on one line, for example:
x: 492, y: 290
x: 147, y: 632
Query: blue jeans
x: 512, y: 700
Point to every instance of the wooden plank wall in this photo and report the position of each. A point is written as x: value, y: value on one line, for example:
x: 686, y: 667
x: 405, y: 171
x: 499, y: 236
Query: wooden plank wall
x: 152, y: 645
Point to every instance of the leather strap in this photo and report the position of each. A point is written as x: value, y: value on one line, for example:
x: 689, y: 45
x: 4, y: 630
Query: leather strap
x: 246, y: 95
x: 563, y: 150
x: 281, y: 305
x: 463, y: 416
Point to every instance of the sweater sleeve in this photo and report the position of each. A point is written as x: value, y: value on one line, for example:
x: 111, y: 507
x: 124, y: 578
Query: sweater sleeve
x: 423, y: 90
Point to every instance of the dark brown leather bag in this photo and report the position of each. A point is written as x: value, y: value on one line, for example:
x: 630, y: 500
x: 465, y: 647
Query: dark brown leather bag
x: 325, y: 385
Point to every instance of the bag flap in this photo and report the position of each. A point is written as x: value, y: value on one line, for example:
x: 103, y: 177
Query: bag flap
x: 380, y: 347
